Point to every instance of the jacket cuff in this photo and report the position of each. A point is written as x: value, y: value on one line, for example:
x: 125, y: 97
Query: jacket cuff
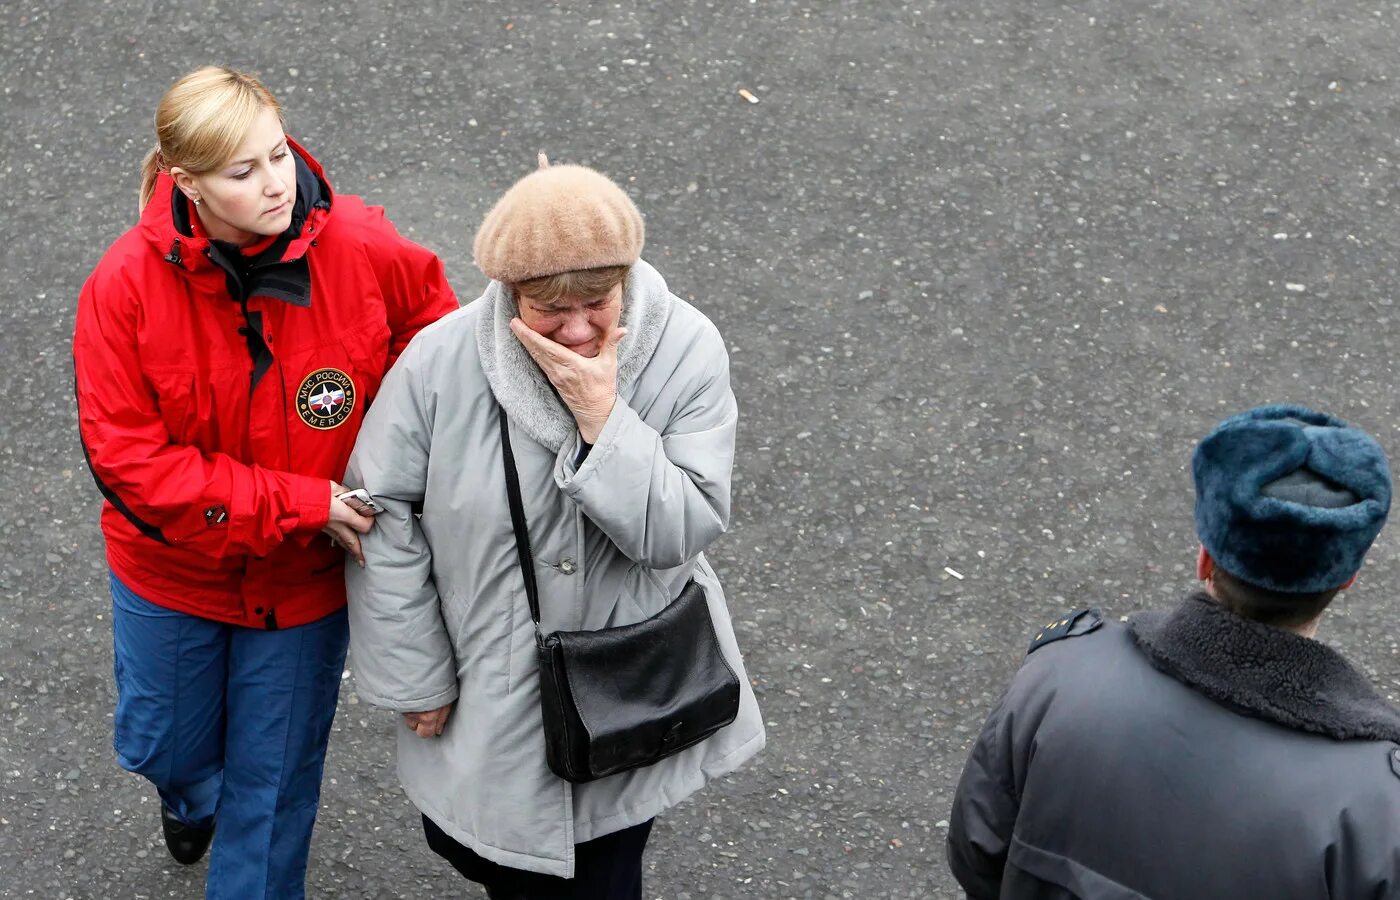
x: 407, y: 705
x: 568, y: 473
x: 312, y: 502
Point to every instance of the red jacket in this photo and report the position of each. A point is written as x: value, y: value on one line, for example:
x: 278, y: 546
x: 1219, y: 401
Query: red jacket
x: 213, y: 423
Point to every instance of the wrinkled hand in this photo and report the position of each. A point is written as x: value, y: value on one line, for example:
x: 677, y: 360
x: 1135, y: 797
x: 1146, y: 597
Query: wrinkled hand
x: 346, y: 525
x: 587, y: 386
x: 428, y: 724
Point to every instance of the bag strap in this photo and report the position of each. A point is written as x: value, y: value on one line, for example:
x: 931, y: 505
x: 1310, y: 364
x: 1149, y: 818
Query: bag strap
x: 517, y: 520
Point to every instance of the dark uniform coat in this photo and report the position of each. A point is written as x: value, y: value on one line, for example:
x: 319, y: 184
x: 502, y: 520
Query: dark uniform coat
x: 1190, y: 755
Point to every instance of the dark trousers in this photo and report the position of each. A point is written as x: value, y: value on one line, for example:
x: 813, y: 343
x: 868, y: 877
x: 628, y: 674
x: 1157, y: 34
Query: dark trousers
x: 605, y: 868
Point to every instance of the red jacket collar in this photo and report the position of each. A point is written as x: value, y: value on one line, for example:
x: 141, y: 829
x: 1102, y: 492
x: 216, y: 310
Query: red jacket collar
x: 157, y: 221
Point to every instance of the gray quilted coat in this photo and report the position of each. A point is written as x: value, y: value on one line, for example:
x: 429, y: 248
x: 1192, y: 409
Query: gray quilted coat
x: 439, y: 613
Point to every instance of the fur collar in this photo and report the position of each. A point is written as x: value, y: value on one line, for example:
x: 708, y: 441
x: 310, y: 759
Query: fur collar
x: 522, y: 388
x: 1265, y: 672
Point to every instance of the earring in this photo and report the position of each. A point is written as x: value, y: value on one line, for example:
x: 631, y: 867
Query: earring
x: 198, y: 201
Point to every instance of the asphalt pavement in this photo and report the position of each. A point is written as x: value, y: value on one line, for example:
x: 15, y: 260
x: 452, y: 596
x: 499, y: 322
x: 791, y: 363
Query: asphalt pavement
x: 987, y: 271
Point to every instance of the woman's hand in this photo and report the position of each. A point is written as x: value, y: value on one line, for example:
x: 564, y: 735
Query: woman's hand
x: 428, y: 724
x: 587, y: 386
x: 346, y: 525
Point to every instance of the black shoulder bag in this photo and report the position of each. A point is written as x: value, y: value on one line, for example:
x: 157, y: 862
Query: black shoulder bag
x: 626, y: 697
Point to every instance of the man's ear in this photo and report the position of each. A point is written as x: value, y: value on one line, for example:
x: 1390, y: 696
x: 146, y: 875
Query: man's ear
x: 1205, y: 564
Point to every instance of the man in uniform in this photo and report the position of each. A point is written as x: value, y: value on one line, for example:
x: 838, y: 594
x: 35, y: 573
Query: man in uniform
x: 1214, y: 751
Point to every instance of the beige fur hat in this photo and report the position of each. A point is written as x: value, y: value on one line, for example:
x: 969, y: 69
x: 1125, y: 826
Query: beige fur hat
x: 558, y: 219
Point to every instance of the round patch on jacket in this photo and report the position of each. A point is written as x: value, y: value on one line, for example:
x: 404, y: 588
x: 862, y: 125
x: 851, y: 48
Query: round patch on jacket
x: 326, y: 398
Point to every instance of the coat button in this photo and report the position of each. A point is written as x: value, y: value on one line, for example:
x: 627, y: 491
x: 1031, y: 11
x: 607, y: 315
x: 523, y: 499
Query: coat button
x: 567, y: 566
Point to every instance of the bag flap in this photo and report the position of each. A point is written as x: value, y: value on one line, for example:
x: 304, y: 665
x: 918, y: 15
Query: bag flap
x: 650, y: 686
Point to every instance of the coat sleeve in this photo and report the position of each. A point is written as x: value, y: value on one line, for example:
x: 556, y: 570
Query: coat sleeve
x: 401, y: 652
x: 173, y: 493
x: 662, y: 497
x: 984, y: 811
x: 414, y: 285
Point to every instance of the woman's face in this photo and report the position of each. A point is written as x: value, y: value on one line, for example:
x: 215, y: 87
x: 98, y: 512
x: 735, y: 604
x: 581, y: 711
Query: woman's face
x: 579, y: 323
x: 252, y: 195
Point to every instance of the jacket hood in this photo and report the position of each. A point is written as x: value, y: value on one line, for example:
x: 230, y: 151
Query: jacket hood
x: 1264, y: 672
x: 165, y: 221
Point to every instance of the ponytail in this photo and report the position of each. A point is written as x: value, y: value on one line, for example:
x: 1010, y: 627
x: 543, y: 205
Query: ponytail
x: 150, y: 168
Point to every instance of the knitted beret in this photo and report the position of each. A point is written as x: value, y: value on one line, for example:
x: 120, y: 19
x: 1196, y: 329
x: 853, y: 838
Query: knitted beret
x: 558, y: 219
x: 1289, y: 499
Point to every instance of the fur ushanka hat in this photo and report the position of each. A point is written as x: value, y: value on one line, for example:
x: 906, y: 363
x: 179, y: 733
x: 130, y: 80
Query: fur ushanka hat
x: 1289, y: 499
x: 558, y: 219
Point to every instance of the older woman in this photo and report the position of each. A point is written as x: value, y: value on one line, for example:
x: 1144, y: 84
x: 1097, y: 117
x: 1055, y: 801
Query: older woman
x: 622, y: 425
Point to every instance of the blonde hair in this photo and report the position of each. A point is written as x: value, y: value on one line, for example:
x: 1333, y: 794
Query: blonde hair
x: 201, y: 121
x: 578, y: 283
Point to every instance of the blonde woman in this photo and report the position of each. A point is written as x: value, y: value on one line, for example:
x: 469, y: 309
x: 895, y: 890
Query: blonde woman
x: 226, y: 349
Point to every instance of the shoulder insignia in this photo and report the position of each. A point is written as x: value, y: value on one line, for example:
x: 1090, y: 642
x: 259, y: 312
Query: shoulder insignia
x: 1081, y: 621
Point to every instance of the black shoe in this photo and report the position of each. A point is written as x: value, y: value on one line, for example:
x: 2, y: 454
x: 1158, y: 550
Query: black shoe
x: 186, y: 843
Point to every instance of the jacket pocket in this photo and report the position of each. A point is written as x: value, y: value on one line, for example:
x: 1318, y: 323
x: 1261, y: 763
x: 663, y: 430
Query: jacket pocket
x: 483, y: 634
x: 367, y: 350
x: 514, y: 602
x: 641, y: 596
x: 204, y: 409
x: 451, y: 608
x: 328, y: 387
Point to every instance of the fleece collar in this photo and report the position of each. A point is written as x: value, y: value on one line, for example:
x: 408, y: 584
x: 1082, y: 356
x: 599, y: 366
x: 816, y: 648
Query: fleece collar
x: 1265, y: 672
x: 522, y: 388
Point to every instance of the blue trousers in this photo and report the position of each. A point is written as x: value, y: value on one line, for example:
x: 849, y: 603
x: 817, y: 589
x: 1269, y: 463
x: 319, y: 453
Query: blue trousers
x: 230, y: 724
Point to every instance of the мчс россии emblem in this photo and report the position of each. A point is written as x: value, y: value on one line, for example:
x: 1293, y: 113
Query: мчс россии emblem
x: 326, y: 398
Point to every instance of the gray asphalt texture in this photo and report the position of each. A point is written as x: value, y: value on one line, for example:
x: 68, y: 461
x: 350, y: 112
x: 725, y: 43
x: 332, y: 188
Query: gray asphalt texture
x: 987, y: 272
